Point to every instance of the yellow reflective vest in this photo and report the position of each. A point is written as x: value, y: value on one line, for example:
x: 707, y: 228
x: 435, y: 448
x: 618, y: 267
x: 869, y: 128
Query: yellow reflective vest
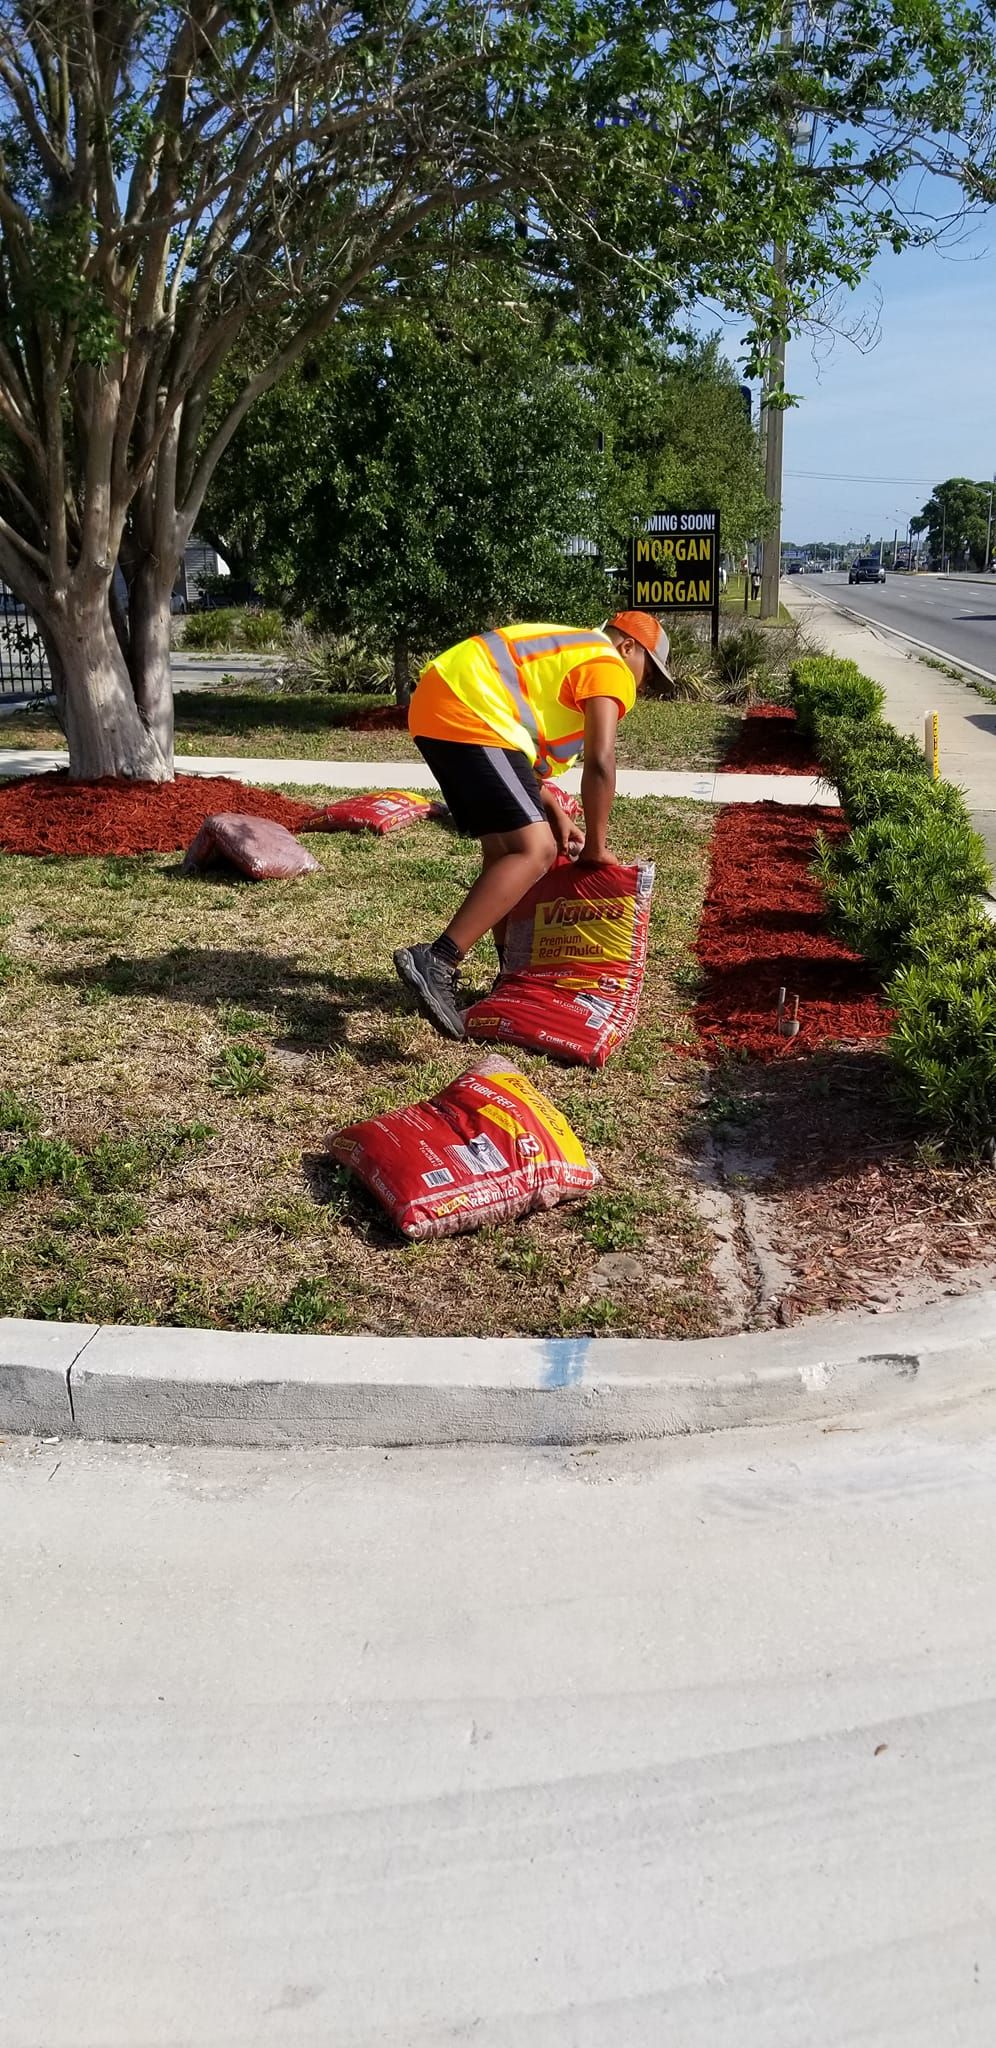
x: 524, y: 687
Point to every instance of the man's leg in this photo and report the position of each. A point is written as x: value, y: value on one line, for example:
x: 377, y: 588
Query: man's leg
x: 512, y: 863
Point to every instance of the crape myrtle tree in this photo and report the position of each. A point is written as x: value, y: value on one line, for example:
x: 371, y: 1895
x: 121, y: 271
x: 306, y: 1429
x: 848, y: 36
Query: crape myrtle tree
x: 175, y: 181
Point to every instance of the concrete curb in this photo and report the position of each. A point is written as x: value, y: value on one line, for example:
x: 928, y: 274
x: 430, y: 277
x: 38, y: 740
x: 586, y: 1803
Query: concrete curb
x: 216, y: 1387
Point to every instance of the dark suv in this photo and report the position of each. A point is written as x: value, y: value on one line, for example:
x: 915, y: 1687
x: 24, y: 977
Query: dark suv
x: 867, y: 569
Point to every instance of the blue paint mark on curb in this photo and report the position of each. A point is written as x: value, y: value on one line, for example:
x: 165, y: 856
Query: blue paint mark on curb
x: 565, y: 1361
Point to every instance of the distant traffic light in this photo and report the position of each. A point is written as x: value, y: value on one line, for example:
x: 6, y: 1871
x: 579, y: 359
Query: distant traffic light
x: 748, y: 398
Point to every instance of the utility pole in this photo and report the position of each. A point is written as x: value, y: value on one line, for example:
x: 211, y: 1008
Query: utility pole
x: 774, y: 442
x: 773, y: 416
x: 989, y: 525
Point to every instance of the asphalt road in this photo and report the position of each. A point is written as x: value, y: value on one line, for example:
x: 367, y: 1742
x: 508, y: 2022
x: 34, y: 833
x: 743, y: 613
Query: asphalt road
x: 691, y: 1743
x: 958, y: 618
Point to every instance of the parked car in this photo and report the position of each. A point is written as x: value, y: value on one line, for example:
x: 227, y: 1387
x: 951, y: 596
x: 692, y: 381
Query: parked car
x: 867, y: 569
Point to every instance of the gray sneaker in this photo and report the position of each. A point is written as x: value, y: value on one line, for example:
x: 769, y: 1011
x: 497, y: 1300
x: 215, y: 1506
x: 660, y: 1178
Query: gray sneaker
x: 434, y: 986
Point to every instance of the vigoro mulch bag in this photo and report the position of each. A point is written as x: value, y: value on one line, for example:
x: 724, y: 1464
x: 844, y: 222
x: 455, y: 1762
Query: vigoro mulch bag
x: 378, y: 810
x: 575, y: 952
x: 571, y: 804
x: 256, y: 847
x: 488, y: 1148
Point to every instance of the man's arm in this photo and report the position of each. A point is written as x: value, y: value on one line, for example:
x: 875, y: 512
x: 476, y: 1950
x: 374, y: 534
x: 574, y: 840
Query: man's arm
x: 598, y: 777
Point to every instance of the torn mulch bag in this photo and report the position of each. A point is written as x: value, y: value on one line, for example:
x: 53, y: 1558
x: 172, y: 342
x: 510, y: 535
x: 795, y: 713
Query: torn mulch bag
x: 255, y: 847
x: 575, y: 952
x: 487, y: 1148
x: 380, y: 810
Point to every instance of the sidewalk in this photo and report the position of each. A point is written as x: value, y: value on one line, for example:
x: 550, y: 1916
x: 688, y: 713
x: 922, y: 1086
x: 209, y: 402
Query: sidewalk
x: 706, y: 788
x: 912, y: 688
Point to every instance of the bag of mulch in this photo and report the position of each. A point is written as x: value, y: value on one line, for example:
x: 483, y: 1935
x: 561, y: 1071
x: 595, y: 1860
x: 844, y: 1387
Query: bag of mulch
x: 488, y: 1148
x: 572, y: 805
x: 377, y: 810
x: 255, y: 847
x: 575, y: 953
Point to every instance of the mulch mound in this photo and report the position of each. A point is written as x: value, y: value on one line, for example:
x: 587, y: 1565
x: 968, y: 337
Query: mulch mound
x: 763, y: 928
x: 768, y: 743
x: 48, y: 814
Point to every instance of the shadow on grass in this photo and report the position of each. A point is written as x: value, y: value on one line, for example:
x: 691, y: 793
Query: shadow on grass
x: 313, y: 1008
x: 818, y: 1119
x: 332, y: 1187
x: 245, y: 712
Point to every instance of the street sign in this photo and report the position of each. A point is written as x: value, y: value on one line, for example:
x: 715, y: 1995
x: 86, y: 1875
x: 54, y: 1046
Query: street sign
x: 674, y: 565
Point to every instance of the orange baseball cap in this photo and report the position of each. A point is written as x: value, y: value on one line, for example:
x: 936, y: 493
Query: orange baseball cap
x: 649, y: 633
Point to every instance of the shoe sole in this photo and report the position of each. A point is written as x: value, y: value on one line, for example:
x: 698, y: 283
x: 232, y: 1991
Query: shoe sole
x: 424, y: 996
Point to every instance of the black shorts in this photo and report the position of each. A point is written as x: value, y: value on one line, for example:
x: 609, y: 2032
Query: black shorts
x: 486, y: 789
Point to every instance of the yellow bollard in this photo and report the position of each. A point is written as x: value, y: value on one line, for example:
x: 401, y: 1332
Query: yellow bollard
x: 932, y: 743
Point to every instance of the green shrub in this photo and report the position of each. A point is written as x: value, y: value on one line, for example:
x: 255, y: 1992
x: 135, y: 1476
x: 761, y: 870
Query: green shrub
x: 336, y: 664
x: 740, y: 665
x: 895, y: 875
x: 232, y: 629
x: 944, y: 1042
x: 823, y: 687
x: 848, y: 746
x: 892, y: 793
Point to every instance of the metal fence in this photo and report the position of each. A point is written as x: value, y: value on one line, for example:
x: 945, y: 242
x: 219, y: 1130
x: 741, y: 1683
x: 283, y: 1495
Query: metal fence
x: 23, y: 666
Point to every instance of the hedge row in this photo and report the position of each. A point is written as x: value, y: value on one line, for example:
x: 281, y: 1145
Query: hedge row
x: 903, y: 889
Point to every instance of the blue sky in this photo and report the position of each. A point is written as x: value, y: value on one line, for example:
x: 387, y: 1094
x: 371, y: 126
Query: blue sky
x: 919, y: 407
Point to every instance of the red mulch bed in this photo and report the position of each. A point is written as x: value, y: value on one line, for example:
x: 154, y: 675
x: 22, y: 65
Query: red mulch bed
x: 763, y: 928
x: 768, y: 743
x: 48, y: 814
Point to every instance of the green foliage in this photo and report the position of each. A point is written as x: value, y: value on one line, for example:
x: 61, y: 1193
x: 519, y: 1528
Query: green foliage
x: 241, y: 1070
x: 861, y: 746
x: 944, y: 1041
x: 741, y: 665
x: 825, y: 688
x: 333, y: 664
x: 230, y: 630
x: 110, y: 1164
x: 893, y: 875
x: 15, y: 1114
x: 611, y: 1221
x: 418, y: 483
x: 957, y: 520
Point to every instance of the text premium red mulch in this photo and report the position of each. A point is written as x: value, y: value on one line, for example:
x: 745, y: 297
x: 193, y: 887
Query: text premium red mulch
x: 48, y: 814
x: 763, y: 928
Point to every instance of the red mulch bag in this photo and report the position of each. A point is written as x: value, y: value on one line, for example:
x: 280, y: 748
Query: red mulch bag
x: 575, y: 952
x: 375, y: 810
x: 255, y: 846
x: 488, y: 1148
x: 571, y: 804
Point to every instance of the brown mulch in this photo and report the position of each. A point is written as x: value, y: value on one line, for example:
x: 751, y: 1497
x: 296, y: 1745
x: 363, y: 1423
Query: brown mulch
x: 48, y: 814
x: 764, y: 928
x: 767, y: 742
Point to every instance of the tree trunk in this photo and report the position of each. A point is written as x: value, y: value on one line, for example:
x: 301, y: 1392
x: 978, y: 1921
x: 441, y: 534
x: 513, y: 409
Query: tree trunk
x: 105, y: 731
x: 402, y: 670
x: 150, y: 640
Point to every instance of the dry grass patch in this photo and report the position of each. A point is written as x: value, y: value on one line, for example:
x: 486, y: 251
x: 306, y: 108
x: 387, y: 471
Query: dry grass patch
x: 174, y: 1053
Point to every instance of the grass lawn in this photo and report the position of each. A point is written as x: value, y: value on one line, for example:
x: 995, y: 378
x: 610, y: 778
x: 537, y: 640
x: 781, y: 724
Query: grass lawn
x: 173, y: 1054
x: 260, y: 723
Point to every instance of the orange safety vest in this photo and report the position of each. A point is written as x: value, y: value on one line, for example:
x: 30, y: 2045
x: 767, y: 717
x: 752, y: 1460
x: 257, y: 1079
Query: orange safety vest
x: 526, y: 688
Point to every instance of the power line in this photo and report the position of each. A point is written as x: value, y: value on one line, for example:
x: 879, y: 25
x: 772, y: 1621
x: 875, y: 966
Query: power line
x: 830, y: 476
